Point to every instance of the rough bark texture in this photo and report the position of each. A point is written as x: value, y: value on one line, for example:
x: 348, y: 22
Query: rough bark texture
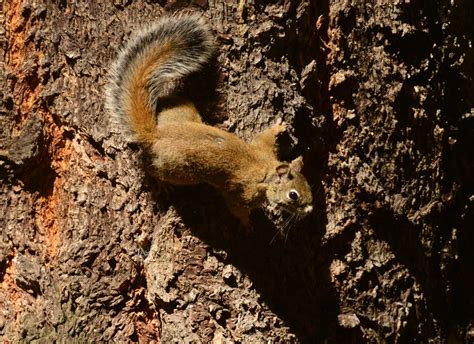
x: 378, y: 96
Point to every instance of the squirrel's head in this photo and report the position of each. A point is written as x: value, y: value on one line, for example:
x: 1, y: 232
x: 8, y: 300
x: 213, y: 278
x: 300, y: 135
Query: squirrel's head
x: 289, y: 190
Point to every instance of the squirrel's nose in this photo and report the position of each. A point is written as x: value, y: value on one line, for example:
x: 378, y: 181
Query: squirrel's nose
x: 308, y: 209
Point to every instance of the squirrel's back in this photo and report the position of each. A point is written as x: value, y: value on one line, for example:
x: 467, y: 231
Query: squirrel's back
x: 150, y: 67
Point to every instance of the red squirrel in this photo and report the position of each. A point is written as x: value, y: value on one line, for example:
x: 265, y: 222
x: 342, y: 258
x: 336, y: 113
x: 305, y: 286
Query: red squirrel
x: 184, y: 150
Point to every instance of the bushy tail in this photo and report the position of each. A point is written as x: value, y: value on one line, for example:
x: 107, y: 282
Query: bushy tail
x: 150, y: 67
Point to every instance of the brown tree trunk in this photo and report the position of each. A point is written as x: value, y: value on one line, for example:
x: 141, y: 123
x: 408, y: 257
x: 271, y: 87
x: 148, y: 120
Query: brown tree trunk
x: 378, y: 96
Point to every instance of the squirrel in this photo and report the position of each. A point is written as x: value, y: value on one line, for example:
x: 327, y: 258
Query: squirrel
x: 142, y: 102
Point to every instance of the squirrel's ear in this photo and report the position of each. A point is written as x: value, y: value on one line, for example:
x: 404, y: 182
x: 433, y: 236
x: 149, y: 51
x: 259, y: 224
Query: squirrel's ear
x: 282, y: 169
x: 281, y: 173
x: 297, y: 164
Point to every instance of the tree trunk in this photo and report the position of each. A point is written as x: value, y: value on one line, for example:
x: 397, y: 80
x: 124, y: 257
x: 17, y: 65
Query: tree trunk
x: 378, y: 96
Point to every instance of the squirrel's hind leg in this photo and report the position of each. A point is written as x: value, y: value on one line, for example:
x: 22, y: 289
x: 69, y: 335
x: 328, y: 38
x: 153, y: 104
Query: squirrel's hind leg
x: 176, y: 109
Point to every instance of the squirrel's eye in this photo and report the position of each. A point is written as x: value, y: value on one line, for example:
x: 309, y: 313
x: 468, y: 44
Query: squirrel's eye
x: 293, y: 195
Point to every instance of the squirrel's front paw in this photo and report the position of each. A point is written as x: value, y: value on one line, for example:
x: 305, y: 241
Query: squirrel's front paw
x: 241, y: 213
x: 280, y: 126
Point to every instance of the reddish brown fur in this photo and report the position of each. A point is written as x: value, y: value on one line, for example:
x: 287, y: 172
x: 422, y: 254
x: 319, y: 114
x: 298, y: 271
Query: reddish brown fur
x: 137, y: 105
x: 184, y: 150
x: 213, y: 156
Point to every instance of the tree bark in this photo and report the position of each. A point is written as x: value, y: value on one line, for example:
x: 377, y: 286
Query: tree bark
x: 379, y: 98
